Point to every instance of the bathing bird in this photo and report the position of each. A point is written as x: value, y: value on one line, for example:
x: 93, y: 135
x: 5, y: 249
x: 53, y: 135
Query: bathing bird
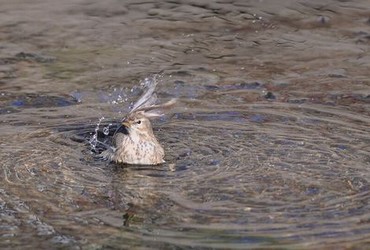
x: 134, y: 141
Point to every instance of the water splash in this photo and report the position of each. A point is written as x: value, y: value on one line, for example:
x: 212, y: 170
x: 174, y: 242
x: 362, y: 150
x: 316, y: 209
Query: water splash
x: 102, y: 149
x: 94, y: 138
x: 118, y: 96
x: 100, y: 139
x: 108, y: 151
x: 106, y: 129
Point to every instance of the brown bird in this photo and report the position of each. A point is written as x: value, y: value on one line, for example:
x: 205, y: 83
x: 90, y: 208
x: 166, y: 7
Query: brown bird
x: 134, y: 141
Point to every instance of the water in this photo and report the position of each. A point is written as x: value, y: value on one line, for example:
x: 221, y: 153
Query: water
x: 267, y: 148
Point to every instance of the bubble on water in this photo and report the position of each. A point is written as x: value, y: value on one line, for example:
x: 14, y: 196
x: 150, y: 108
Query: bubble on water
x: 106, y: 129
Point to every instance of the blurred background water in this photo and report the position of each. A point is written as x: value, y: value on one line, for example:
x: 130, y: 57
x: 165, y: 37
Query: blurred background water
x: 269, y: 146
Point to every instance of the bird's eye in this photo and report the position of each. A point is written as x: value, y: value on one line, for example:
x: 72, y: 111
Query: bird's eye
x: 138, y: 122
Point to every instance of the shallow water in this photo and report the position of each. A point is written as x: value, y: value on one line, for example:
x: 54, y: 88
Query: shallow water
x: 267, y: 148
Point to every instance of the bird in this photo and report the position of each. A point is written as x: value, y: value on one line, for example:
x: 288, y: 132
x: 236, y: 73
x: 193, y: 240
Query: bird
x: 134, y: 141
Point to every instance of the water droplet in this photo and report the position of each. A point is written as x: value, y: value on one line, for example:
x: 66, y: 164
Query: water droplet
x: 94, y: 139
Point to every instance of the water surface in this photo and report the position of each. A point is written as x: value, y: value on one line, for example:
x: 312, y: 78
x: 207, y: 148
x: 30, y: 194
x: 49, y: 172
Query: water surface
x: 267, y: 148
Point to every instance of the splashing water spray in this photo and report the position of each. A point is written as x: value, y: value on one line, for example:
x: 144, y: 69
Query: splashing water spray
x: 118, y: 97
x: 94, y: 140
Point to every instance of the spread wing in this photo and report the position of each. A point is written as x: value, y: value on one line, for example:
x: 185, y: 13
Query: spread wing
x: 146, y: 105
x: 148, y: 98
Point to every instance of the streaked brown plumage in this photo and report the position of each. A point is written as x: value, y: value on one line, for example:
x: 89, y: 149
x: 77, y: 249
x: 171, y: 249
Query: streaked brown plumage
x: 139, y: 145
x: 134, y: 142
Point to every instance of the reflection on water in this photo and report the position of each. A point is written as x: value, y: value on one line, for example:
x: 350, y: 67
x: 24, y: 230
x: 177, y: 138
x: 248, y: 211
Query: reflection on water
x: 268, y: 147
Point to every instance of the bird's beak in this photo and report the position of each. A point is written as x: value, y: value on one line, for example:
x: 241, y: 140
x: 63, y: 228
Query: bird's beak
x: 126, y: 124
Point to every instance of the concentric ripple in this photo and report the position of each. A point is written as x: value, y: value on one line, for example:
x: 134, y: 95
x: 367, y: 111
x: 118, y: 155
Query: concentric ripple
x: 268, y: 146
x: 261, y: 174
x: 295, y: 176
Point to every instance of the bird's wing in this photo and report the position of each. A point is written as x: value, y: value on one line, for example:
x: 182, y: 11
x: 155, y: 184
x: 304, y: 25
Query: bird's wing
x: 149, y: 98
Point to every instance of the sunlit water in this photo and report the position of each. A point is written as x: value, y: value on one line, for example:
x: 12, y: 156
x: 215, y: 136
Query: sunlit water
x: 269, y: 145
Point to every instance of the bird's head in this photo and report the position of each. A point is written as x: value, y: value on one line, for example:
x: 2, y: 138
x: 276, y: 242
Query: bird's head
x: 136, y: 124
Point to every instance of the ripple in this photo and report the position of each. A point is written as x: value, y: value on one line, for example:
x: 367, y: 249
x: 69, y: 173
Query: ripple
x: 273, y: 171
x: 269, y: 146
x: 293, y: 175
